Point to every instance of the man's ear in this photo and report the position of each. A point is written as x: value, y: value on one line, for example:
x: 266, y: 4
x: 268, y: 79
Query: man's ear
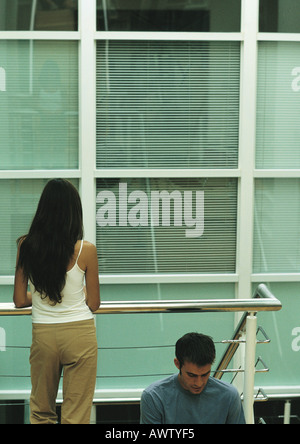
x: 177, y: 363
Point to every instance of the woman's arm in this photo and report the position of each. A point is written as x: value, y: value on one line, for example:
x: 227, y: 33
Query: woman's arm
x: 92, y: 277
x: 22, y: 298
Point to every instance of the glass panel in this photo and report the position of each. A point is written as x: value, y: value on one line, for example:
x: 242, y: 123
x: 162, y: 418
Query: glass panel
x: 278, y: 129
x: 14, y: 356
x: 282, y: 354
x: 167, y: 225
x: 6, y: 292
x: 18, y: 203
x: 126, y: 361
x: 168, y: 104
x: 146, y: 352
x: 169, y: 15
x: 153, y: 292
x: 277, y: 222
x: 40, y: 15
x: 38, y: 105
x: 279, y: 16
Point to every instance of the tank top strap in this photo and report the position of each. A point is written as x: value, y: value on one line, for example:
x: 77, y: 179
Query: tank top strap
x: 79, y: 252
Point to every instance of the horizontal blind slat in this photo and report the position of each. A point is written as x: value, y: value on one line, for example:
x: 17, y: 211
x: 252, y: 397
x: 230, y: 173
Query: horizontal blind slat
x: 277, y: 226
x: 39, y: 107
x: 156, y: 96
x: 159, y: 249
x: 278, y: 130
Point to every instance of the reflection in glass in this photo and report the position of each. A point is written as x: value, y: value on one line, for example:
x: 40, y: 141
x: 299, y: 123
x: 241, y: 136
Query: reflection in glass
x: 279, y: 16
x: 38, y: 15
x: 169, y: 15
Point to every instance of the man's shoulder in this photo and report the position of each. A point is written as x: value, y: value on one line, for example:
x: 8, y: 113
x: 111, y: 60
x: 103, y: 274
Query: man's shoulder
x: 229, y: 400
x: 161, y: 385
x: 222, y: 387
x: 154, y: 400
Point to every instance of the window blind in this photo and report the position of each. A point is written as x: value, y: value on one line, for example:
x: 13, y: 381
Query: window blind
x: 152, y: 243
x: 39, y: 105
x: 278, y: 130
x: 167, y: 104
x: 277, y: 226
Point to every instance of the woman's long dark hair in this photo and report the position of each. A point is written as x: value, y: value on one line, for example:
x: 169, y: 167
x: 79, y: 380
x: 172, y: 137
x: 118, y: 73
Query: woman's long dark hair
x: 47, y: 249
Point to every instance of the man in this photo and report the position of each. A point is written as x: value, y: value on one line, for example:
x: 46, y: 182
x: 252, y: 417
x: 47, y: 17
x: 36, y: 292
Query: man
x: 192, y: 396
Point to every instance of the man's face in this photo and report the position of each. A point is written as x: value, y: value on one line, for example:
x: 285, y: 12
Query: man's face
x: 193, y: 378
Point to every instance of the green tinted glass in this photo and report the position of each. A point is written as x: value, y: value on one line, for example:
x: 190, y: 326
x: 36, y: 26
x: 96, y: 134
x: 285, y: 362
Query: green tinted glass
x: 276, y: 229
x: 168, y: 104
x: 38, y: 105
x: 278, y: 130
x: 38, y: 15
x: 166, y: 15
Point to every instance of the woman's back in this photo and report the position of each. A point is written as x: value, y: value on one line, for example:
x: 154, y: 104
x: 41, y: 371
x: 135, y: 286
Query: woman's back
x: 73, y: 307
x: 55, y: 262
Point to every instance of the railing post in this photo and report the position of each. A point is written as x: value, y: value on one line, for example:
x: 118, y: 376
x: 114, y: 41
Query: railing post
x: 287, y: 413
x: 26, y: 412
x: 249, y: 375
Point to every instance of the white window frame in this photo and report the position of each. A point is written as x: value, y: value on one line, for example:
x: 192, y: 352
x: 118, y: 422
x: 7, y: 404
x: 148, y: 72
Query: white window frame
x: 276, y: 173
x: 87, y: 37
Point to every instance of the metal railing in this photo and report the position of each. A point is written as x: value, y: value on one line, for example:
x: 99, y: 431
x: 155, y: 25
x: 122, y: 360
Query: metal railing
x: 239, y: 337
x: 263, y: 300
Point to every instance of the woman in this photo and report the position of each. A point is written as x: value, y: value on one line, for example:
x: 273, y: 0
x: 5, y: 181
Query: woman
x: 54, y: 260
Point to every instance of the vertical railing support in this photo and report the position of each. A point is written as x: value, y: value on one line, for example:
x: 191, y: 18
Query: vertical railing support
x: 26, y: 412
x: 249, y: 375
x: 287, y: 413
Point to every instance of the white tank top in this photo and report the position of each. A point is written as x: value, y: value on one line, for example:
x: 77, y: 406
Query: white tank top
x: 73, y: 307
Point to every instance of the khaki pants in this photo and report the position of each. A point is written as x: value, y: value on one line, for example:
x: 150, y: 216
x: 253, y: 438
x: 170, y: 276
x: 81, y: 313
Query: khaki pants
x: 72, y: 348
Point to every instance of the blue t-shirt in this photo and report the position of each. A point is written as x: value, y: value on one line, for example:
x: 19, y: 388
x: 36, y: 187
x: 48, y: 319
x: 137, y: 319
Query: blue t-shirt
x: 166, y: 402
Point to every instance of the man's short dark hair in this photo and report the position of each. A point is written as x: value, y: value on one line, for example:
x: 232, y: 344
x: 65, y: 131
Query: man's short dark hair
x: 196, y: 348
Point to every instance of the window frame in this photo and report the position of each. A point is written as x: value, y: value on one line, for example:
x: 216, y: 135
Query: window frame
x: 87, y: 37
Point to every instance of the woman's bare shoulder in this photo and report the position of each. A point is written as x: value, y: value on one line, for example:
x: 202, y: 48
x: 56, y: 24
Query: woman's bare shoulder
x: 87, y: 256
x: 89, y: 247
x: 89, y: 251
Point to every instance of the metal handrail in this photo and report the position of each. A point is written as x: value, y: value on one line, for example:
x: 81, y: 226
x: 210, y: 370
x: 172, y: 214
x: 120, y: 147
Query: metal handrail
x: 263, y: 300
x: 262, y: 293
x: 247, y: 329
x: 233, y: 345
